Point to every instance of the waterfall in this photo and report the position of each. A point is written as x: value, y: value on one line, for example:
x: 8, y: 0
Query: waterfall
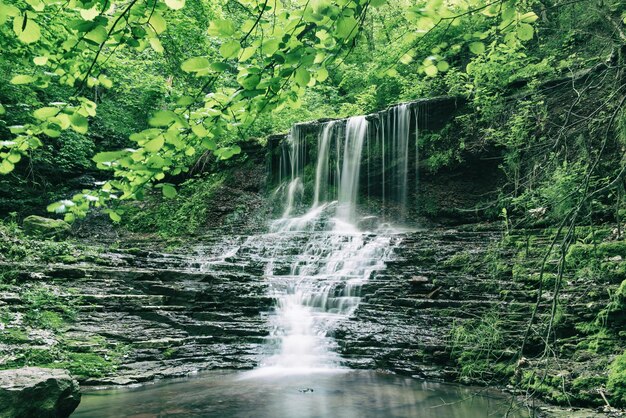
x: 321, y: 171
x: 317, y: 261
x: 356, y: 129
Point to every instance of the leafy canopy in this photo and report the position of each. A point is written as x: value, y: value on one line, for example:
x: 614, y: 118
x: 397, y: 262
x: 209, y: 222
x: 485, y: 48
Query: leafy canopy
x: 265, y: 54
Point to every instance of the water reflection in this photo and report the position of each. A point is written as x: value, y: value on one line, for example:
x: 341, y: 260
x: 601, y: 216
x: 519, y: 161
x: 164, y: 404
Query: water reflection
x: 342, y: 395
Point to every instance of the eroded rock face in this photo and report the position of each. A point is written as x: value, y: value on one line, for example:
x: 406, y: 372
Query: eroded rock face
x: 38, y: 393
x: 45, y: 227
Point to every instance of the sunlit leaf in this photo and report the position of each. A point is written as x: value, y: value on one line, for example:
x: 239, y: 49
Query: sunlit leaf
x: 26, y: 29
x: 175, y: 4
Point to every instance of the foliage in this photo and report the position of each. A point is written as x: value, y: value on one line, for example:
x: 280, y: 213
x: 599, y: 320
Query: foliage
x: 186, y: 215
x: 477, y: 346
x: 260, y: 57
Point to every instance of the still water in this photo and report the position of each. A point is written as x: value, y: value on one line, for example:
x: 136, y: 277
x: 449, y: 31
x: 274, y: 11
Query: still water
x: 342, y: 394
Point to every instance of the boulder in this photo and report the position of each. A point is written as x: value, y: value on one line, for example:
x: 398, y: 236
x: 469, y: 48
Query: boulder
x: 45, y: 227
x: 38, y: 393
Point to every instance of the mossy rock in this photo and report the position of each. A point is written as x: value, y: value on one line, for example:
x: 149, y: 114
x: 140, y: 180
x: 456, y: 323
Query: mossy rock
x: 41, y: 227
x: 37, y: 392
x: 617, y: 380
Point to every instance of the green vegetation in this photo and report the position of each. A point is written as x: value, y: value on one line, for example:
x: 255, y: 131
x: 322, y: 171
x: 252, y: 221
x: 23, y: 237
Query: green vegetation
x: 488, y: 348
x: 139, y: 110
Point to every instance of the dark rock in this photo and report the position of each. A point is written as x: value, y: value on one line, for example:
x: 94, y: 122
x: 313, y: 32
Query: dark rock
x: 418, y: 280
x: 33, y: 392
x: 45, y: 227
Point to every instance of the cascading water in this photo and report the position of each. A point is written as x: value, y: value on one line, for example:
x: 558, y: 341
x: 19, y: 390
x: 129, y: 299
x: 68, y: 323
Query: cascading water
x: 318, y: 260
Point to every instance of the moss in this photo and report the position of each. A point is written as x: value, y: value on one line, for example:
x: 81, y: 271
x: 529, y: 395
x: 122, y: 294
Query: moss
x: 580, y: 255
x: 616, y: 384
x: 170, y: 353
x: 586, y: 389
x: 459, y: 261
x: 89, y: 365
x: 14, y: 336
x: 547, y: 386
x: 45, y: 319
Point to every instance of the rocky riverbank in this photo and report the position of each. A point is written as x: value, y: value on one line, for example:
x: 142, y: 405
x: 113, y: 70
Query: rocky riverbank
x: 140, y: 314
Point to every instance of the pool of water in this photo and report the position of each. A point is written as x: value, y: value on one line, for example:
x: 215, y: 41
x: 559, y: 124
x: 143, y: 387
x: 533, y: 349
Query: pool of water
x: 338, y: 395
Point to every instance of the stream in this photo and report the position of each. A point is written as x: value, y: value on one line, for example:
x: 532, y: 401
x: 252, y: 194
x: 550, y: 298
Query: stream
x: 343, y: 394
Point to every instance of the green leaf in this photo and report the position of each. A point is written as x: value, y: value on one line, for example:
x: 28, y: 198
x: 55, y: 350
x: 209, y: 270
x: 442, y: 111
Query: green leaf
x: 52, y: 133
x: 525, y: 32
x: 230, y: 49
x: 157, y: 22
x: 175, y: 4
x: 45, y: 112
x: 105, y: 81
x: 6, y: 11
x: 529, y: 17
x: 155, y: 144
x: 37, y: 5
x: 98, y: 34
x: 227, y: 152
x: 169, y: 191
x: 406, y: 59
x: 2, y: 110
x: 431, y: 70
x: 105, y: 157
x: 346, y: 27
x: 40, y: 60
x: 250, y: 81
x: 302, y: 76
x: 79, y: 123
x: 443, y: 66
x: 163, y: 118
x: 6, y: 167
x: 14, y: 158
x: 155, y: 43
x: 27, y: 30
x: 195, y: 64
x: 477, y: 47
x: 322, y: 74
x: 22, y: 79
x: 54, y: 207
x: 271, y: 46
x: 209, y: 143
x: 115, y: 217
x: 219, y: 66
x: 89, y: 14
x: 246, y: 53
x: 220, y: 27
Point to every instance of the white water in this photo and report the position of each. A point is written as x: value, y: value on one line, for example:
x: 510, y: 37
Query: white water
x: 323, y: 157
x: 320, y: 259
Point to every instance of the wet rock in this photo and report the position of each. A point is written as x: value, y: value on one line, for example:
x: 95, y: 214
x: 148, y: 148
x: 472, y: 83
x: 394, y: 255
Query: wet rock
x: 368, y: 223
x: 37, y: 392
x: 45, y: 227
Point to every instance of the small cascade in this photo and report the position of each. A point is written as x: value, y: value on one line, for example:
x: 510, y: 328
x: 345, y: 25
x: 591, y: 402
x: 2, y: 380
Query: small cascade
x: 319, y: 258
